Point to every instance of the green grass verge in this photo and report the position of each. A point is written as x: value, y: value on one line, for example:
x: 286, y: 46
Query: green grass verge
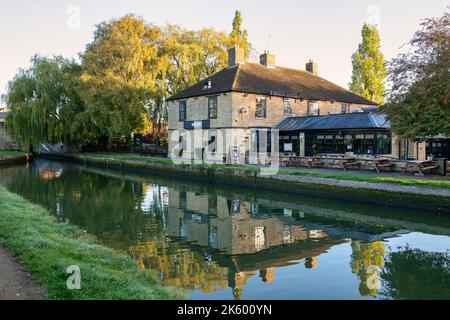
x: 8, y: 153
x: 429, y: 183
x: 47, y: 249
x: 366, y: 178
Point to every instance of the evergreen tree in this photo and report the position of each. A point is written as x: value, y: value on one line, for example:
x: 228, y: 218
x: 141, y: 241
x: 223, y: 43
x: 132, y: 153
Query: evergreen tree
x: 239, y: 36
x: 369, y: 72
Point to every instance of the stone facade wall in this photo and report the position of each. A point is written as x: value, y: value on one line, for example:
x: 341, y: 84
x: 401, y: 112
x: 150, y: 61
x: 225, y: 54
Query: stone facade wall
x: 197, y: 110
x: 237, y: 111
x: 275, y: 109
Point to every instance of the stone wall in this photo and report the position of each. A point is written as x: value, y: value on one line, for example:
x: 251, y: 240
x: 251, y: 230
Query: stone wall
x: 238, y: 111
x: 275, y: 109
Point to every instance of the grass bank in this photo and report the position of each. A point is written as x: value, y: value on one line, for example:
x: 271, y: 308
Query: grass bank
x: 10, y: 154
x: 47, y: 248
x: 348, y: 176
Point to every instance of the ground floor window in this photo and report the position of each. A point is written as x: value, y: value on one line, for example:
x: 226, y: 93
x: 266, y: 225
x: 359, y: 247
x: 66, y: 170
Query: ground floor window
x: 407, y: 149
x: 289, y: 143
x: 438, y: 148
x: 370, y: 143
x: 261, y: 140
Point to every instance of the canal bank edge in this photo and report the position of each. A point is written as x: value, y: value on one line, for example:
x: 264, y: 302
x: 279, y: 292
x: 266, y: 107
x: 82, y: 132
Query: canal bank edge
x: 15, y: 159
x: 47, y: 249
x: 384, y: 193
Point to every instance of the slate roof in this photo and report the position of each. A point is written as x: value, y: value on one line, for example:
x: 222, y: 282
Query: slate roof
x: 345, y: 121
x: 278, y: 81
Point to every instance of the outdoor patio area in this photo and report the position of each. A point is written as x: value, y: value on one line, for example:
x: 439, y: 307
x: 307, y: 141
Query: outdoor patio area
x: 365, y: 164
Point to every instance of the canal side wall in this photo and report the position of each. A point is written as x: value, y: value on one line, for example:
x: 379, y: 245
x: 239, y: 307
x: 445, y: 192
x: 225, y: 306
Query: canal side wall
x: 12, y: 160
x: 379, y: 193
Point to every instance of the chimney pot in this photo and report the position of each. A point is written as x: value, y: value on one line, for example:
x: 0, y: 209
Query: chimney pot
x: 236, y: 55
x: 267, y: 59
x: 312, y: 67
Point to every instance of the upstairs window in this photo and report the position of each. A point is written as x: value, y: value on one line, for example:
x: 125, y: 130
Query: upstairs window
x: 313, y: 109
x: 212, y: 107
x: 261, y: 108
x: 182, y: 111
x: 345, y: 108
x: 287, y: 108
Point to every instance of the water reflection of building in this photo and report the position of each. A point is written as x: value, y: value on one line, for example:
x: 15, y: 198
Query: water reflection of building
x: 248, y: 237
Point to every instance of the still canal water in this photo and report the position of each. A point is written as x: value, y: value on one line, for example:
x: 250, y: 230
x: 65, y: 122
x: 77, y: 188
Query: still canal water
x: 229, y: 243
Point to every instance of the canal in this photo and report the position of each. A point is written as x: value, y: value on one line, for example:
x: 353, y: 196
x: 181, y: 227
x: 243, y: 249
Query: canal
x: 217, y: 242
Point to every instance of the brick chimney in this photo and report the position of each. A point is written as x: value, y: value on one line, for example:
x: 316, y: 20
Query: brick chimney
x: 267, y: 59
x: 312, y: 67
x: 236, y: 55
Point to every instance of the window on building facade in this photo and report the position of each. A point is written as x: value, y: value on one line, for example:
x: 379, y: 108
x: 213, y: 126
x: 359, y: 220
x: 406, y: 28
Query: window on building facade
x: 313, y: 109
x: 261, y: 108
x: 212, y: 107
x: 261, y: 141
x: 287, y: 107
x: 384, y: 143
x: 359, y: 143
x: 345, y: 108
x: 325, y: 144
x: 364, y: 144
x: 182, y: 111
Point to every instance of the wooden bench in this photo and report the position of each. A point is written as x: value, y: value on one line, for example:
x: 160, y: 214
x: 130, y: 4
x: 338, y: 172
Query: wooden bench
x: 421, y: 166
x: 430, y: 168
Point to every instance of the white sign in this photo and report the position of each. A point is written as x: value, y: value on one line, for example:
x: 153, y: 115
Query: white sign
x: 288, y: 147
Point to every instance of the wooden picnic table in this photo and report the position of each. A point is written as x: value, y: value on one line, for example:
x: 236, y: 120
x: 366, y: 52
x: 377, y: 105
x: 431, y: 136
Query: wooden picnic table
x: 419, y: 166
x: 314, y: 161
x: 350, y: 162
x: 379, y: 163
x: 289, y: 161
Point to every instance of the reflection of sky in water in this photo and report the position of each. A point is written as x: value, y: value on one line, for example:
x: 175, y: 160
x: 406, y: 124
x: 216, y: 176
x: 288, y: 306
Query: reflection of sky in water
x: 421, y: 241
x: 154, y: 196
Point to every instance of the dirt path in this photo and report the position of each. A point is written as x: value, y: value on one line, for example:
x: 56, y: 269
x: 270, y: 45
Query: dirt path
x: 15, y: 283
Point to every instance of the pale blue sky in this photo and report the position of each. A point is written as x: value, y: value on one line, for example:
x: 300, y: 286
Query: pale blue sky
x: 325, y: 30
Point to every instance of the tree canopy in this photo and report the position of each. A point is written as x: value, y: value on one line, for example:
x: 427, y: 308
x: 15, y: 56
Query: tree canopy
x: 239, y: 36
x: 120, y: 87
x: 369, y: 72
x: 120, y: 71
x: 418, y: 102
x: 43, y: 101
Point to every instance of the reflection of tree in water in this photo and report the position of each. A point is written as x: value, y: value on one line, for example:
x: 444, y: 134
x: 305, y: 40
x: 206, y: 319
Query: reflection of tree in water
x: 366, y: 261
x: 112, y: 209
x: 413, y: 274
x: 177, y: 266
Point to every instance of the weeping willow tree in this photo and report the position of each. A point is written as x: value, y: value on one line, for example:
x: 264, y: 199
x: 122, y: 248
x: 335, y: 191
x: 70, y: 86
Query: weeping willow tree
x: 43, y: 100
